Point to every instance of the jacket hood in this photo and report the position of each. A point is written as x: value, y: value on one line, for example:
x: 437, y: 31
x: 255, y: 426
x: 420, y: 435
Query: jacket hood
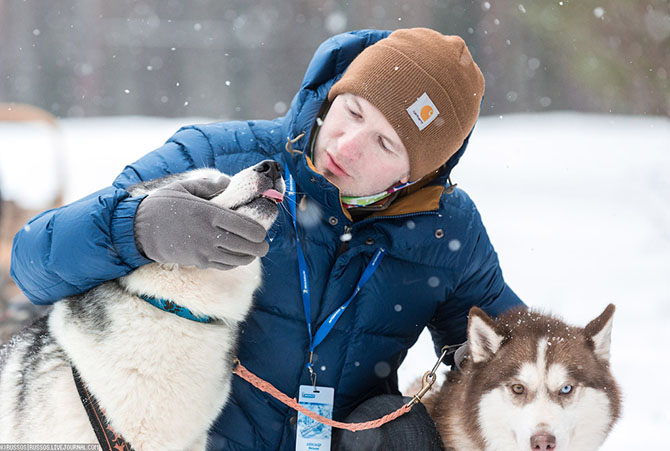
x: 328, y: 64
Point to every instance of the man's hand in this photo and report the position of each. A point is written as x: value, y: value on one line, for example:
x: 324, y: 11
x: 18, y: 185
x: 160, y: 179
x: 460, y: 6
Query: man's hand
x: 177, y: 224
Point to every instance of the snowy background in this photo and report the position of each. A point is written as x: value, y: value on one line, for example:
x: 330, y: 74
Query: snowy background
x: 577, y: 206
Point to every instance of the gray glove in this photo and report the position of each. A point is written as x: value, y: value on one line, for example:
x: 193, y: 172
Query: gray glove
x: 177, y: 224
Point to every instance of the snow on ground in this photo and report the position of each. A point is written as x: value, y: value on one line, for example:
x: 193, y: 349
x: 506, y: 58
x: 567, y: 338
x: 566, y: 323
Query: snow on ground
x: 577, y: 206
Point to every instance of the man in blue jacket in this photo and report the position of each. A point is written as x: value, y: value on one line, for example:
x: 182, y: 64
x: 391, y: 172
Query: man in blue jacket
x: 369, y: 142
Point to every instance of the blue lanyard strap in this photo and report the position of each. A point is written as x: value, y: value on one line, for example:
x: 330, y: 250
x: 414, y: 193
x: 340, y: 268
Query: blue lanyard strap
x: 327, y: 325
x: 302, y: 264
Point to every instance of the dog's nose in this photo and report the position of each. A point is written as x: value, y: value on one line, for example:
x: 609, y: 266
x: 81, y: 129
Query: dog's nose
x: 543, y: 442
x: 269, y: 168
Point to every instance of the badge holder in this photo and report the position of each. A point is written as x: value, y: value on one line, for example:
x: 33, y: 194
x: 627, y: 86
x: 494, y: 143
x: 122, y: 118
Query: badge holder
x: 311, y: 434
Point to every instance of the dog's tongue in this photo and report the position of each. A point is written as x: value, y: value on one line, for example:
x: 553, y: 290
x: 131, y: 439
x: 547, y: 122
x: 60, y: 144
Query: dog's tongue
x: 273, y: 194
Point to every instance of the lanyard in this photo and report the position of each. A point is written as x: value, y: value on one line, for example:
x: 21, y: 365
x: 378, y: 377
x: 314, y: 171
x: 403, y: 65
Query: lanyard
x: 329, y: 323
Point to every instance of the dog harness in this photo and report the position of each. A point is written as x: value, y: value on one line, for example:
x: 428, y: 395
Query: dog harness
x: 107, y: 438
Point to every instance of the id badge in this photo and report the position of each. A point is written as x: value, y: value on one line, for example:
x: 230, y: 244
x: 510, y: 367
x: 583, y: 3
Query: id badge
x: 312, y: 435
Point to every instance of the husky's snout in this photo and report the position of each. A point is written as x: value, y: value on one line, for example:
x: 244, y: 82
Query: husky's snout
x: 255, y: 192
x: 269, y: 168
x: 543, y: 441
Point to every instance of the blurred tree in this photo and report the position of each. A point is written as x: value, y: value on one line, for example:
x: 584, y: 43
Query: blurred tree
x: 241, y: 59
x: 588, y: 55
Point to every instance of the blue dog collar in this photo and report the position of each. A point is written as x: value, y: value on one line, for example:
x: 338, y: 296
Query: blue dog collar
x: 171, y: 307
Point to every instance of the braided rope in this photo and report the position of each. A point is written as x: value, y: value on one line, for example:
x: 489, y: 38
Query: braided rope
x: 266, y: 387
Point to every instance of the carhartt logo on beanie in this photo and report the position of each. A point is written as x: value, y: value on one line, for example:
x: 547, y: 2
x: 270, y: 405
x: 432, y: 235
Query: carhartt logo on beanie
x: 427, y: 86
x: 423, y: 111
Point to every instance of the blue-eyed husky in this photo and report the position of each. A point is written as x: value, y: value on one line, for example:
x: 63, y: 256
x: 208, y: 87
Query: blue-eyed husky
x: 161, y: 380
x: 530, y: 382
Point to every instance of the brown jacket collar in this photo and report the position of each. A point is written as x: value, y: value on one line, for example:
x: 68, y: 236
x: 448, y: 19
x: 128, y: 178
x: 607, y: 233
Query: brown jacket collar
x: 413, y: 199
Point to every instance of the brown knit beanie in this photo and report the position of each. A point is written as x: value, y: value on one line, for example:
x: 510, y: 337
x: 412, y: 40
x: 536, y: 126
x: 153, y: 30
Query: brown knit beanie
x: 427, y: 86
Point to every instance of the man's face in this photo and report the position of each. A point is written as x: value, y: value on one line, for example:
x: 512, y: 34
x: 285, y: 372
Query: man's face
x: 358, y: 150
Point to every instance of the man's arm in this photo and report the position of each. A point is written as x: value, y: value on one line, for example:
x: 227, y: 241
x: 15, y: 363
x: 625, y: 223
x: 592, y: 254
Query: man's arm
x: 481, y: 285
x: 71, y: 249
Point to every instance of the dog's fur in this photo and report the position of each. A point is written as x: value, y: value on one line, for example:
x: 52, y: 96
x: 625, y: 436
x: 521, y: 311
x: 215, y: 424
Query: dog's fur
x: 507, y: 397
x: 160, y: 379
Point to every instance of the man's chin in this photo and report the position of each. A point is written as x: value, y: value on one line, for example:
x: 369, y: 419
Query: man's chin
x: 339, y: 182
x: 332, y: 178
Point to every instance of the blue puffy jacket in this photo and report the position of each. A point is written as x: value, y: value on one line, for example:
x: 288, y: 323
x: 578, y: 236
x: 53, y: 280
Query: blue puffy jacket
x: 439, y: 262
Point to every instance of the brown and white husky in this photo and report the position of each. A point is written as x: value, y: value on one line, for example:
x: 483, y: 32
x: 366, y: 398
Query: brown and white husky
x: 529, y: 382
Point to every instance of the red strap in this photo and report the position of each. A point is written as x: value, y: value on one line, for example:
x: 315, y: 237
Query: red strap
x: 266, y: 387
x: 108, y: 439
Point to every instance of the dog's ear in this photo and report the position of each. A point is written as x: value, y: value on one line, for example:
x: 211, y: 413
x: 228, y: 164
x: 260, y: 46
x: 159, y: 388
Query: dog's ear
x: 599, y: 331
x: 482, y: 336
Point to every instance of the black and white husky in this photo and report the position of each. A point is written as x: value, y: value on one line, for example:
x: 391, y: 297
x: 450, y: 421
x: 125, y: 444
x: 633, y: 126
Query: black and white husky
x: 161, y: 380
x: 530, y: 382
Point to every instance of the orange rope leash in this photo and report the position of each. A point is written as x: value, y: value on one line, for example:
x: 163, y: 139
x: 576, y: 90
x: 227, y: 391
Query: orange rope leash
x: 266, y: 387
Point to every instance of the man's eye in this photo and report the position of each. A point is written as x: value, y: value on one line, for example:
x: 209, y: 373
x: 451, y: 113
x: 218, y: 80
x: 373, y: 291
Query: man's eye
x: 383, y: 145
x: 355, y: 114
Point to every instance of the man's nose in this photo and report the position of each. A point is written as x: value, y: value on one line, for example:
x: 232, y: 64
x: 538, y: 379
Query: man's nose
x: 351, y: 144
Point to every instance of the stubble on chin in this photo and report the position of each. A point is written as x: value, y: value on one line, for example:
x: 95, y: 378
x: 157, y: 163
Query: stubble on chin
x: 327, y: 174
x: 322, y: 170
x: 332, y: 178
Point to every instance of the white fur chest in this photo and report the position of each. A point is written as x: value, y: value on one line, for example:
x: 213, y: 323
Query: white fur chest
x: 162, y: 379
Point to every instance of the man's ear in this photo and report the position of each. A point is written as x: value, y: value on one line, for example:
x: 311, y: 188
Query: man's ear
x: 482, y: 336
x: 600, y: 332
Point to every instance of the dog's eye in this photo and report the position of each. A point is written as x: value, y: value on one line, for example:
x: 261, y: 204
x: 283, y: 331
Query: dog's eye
x: 566, y: 389
x: 518, y: 389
